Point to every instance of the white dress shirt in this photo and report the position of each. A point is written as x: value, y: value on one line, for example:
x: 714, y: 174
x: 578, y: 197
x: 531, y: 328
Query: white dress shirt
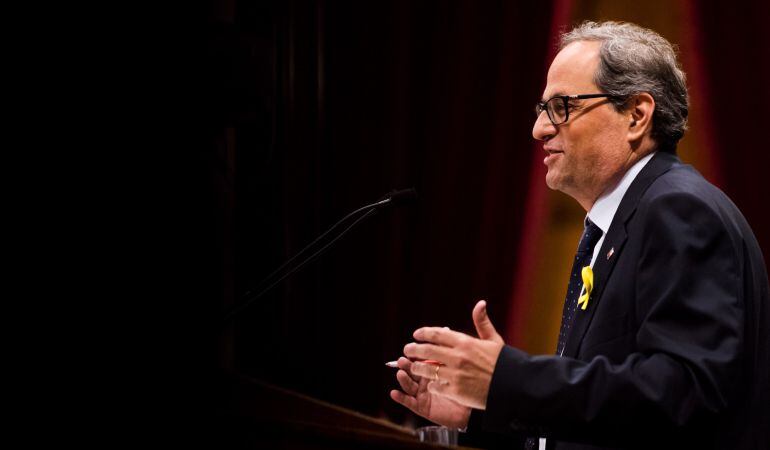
x: 607, y: 204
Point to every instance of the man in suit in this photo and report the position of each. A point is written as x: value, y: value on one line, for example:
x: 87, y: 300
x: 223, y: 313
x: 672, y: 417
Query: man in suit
x: 664, y: 339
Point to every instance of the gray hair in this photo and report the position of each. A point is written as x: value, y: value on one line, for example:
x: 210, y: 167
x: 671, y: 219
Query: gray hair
x: 633, y: 60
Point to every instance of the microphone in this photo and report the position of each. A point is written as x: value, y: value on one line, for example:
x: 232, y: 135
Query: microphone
x: 402, y: 196
x: 394, y: 197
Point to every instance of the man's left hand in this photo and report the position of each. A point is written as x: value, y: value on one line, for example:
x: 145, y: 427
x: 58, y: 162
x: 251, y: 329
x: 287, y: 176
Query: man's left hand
x: 467, y: 362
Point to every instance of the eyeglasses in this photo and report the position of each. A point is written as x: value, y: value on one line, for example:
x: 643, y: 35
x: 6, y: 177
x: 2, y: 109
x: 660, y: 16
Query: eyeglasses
x: 557, y: 107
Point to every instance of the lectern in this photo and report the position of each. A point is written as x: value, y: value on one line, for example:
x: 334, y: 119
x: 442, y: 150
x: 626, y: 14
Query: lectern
x: 253, y: 414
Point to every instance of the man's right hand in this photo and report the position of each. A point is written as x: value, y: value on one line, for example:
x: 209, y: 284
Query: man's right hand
x: 416, y: 397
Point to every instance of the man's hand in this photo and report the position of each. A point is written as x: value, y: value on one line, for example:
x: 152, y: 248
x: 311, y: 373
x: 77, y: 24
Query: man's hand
x: 416, y: 397
x: 443, y: 401
x: 468, y: 363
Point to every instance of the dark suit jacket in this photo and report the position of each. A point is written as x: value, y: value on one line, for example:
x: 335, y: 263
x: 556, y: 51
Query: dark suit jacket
x: 673, y: 349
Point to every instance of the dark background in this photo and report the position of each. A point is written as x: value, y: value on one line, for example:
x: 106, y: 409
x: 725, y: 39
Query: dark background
x: 319, y: 108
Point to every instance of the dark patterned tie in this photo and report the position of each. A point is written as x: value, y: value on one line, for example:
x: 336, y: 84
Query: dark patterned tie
x: 585, y: 251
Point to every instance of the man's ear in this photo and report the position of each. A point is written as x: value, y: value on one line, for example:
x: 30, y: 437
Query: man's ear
x: 640, y: 110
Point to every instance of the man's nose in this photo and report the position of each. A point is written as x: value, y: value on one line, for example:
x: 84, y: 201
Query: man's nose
x: 543, y: 129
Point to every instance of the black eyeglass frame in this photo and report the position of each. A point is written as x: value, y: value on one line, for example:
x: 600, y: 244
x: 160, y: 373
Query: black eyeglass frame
x: 540, y: 106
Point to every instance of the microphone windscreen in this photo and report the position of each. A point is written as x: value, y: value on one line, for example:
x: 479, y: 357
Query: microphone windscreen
x: 403, y: 196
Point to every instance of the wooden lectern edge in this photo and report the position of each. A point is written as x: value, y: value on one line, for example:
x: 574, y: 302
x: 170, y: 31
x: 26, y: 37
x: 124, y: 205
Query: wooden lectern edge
x: 349, y: 412
x: 252, y: 398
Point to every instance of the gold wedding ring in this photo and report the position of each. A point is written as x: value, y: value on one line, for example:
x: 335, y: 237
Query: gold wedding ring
x: 437, y: 369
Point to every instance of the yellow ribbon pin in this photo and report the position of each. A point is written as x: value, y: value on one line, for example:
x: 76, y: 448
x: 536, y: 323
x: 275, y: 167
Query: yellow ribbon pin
x: 588, y: 284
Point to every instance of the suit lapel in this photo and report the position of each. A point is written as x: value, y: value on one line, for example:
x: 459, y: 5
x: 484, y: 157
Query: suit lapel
x: 613, y: 245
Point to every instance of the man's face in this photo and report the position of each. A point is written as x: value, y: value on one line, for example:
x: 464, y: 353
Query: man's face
x: 590, y: 152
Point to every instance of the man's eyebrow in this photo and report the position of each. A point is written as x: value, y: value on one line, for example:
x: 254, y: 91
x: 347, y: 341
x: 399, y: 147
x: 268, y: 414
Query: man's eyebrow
x: 555, y: 94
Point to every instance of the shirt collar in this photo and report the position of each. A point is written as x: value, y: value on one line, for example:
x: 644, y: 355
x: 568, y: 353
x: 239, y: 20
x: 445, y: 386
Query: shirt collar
x: 607, y: 204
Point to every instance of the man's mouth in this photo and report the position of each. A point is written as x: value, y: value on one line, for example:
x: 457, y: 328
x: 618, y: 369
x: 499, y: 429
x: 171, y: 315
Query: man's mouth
x: 550, y: 154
